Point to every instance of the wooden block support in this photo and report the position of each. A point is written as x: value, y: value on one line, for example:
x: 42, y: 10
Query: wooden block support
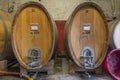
x: 99, y: 70
x: 3, y: 65
x: 49, y: 68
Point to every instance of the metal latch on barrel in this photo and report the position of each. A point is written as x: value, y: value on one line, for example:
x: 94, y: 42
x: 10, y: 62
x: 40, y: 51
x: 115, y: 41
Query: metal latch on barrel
x: 34, y: 58
x: 87, y: 57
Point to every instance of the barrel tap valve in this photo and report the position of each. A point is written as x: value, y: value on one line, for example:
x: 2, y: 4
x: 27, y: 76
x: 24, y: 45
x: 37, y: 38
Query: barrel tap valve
x: 34, y: 59
x: 87, y: 57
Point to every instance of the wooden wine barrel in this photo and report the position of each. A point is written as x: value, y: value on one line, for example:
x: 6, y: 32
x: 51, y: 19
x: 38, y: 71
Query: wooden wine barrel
x: 5, y: 31
x: 86, y: 35
x: 114, y: 37
x: 33, y: 35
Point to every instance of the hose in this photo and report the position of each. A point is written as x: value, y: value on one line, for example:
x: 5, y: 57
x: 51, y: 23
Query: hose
x: 27, y: 77
x: 16, y: 74
x: 10, y: 73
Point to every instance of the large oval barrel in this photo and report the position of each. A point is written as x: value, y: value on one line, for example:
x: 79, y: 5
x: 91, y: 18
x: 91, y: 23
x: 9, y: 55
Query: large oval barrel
x: 86, y: 35
x: 33, y: 35
x: 5, y: 31
x: 114, y: 37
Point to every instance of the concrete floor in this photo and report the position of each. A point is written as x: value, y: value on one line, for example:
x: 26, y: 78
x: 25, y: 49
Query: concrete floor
x: 74, y: 76
x: 60, y: 71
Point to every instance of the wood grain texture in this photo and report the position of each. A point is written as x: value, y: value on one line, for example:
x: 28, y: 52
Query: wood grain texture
x: 44, y: 38
x: 87, y: 14
x: 5, y: 17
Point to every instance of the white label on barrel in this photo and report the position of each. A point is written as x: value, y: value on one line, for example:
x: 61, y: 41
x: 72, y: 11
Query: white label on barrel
x: 34, y: 27
x: 86, y: 27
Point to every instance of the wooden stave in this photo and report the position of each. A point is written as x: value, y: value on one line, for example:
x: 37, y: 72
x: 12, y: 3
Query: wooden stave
x: 54, y: 30
x: 8, y: 49
x: 70, y: 19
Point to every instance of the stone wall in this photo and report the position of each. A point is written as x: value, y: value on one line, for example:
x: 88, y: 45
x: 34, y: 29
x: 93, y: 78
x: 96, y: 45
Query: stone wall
x: 62, y: 9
